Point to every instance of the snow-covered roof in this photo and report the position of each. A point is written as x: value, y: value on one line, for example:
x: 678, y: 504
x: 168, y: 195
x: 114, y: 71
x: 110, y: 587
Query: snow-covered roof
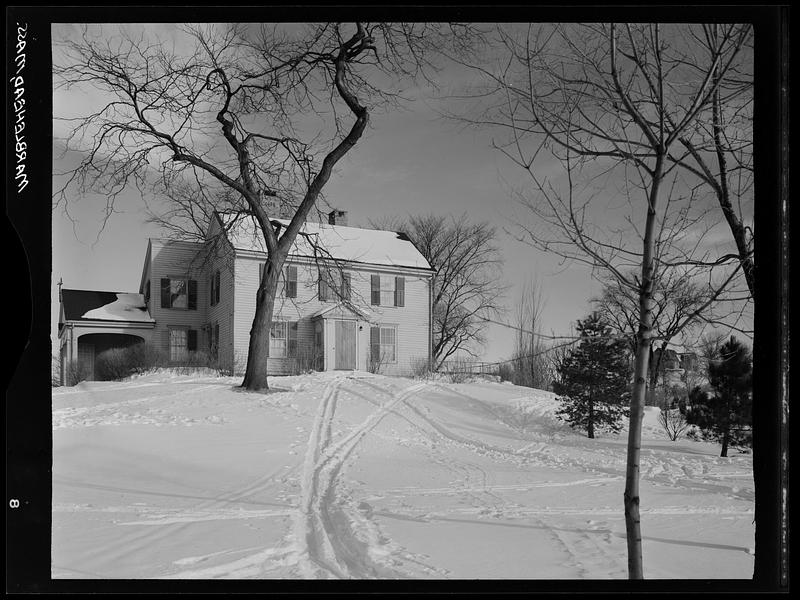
x: 318, y: 240
x: 104, y: 306
x: 127, y: 307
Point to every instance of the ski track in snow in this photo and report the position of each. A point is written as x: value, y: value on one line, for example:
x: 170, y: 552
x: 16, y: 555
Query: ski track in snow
x: 334, y: 535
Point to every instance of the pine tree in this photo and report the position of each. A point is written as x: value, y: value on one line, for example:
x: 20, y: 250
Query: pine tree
x: 595, y: 379
x: 726, y: 415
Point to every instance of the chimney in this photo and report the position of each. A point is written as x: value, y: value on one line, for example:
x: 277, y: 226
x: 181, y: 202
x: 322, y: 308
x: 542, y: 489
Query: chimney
x: 337, y: 217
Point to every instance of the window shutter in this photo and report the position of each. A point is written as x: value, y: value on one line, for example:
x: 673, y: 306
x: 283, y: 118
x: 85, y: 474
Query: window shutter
x: 323, y: 288
x: 165, y: 295
x: 291, y: 282
x: 292, y: 343
x: 346, y: 286
x: 375, y: 281
x: 399, y: 291
x: 211, y: 291
x: 191, y: 340
x: 147, y: 292
x: 375, y: 343
x: 192, y: 294
x: 215, y: 349
x: 217, y: 288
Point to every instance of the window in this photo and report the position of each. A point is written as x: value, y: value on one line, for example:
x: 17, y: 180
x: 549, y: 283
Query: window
x: 179, y: 293
x: 383, y: 344
x: 283, y: 339
x: 334, y: 286
x: 215, y: 280
x: 181, y: 342
x: 291, y: 282
x: 388, y: 291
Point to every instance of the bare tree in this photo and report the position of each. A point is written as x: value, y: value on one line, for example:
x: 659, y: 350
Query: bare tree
x: 265, y: 112
x: 680, y: 305
x: 609, y: 104
x: 467, y: 283
x: 530, y: 358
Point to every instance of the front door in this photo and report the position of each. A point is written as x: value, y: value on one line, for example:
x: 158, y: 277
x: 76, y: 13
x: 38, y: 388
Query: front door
x: 345, y: 345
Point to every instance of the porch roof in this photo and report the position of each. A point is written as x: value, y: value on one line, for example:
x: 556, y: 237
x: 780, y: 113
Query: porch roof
x: 342, y: 307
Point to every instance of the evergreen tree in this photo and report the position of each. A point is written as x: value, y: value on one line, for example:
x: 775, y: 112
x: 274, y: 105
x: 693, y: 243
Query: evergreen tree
x: 595, y: 379
x: 726, y: 415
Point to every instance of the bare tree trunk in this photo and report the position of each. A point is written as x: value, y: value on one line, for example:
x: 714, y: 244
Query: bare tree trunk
x: 255, y: 377
x: 725, y: 441
x: 643, y: 346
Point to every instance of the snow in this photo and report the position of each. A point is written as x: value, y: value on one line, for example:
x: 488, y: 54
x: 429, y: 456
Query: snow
x: 127, y: 307
x: 369, y: 246
x: 344, y: 475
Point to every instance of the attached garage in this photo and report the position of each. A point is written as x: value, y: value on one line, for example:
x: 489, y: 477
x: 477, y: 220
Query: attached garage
x: 91, y: 322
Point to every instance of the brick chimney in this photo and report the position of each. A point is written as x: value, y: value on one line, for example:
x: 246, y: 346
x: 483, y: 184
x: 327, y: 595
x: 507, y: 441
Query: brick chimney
x: 337, y: 217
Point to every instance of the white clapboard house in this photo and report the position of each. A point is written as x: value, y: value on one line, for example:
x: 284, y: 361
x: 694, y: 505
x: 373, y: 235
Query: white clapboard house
x: 349, y: 298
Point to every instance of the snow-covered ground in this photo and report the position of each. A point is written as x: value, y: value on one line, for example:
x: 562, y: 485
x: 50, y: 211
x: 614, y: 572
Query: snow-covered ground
x: 351, y: 475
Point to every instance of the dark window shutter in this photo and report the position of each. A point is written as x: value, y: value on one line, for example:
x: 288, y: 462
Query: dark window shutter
x: 165, y: 295
x: 291, y: 282
x: 211, y: 294
x: 399, y: 291
x: 375, y: 281
x: 191, y: 340
x: 217, y: 288
x: 346, y: 286
x: 147, y: 292
x: 292, y: 342
x: 375, y: 343
x: 323, y: 288
x: 192, y: 294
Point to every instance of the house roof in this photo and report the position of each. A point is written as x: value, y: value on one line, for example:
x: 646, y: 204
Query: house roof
x: 94, y: 305
x: 320, y: 240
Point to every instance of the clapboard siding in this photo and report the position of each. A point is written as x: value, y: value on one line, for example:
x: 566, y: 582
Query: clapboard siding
x: 176, y: 259
x: 411, y: 320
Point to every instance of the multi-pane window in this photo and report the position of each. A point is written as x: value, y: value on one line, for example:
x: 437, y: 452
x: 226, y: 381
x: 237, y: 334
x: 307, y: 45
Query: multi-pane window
x: 283, y: 339
x: 334, y: 285
x: 383, y: 344
x: 181, y: 342
x: 178, y: 293
x: 387, y: 291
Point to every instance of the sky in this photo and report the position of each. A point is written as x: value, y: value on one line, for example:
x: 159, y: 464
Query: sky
x: 408, y: 162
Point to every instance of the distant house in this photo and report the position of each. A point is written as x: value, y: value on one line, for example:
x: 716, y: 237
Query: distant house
x: 348, y: 298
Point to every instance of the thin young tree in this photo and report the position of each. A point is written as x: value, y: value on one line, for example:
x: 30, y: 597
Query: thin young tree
x: 594, y: 379
x: 609, y: 104
x: 264, y: 111
x: 530, y: 360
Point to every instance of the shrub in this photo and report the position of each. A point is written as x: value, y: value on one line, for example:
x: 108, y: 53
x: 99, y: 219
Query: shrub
x: 118, y: 363
x: 420, y: 368
x: 75, y: 372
